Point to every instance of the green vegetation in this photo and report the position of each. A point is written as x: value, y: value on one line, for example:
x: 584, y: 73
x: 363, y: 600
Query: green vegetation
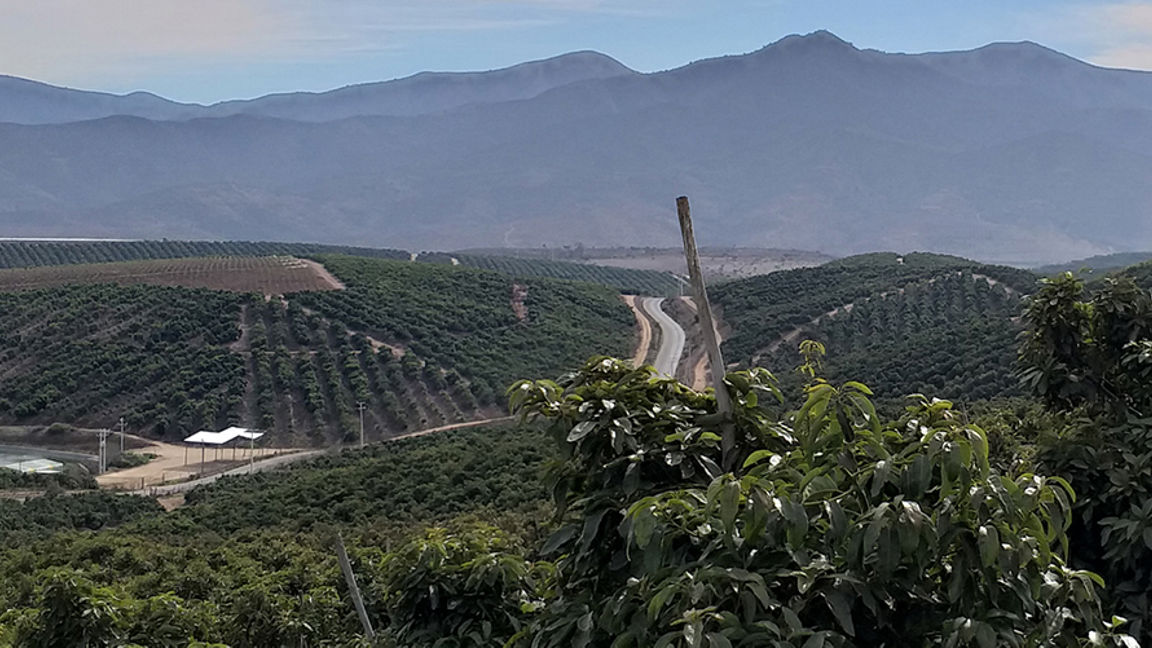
x: 952, y: 335
x: 74, y: 478
x: 626, y: 280
x: 1095, y: 264
x: 917, y: 323
x: 467, y: 319
x: 1141, y: 274
x: 422, y: 479
x: 174, y: 360
x: 627, y: 512
x: 88, y: 354
x: 171, y: 360
x: 26, y: 254
x: 88, y: 510
x: 821, y: 525
x: 1088, y: 356
x: 247, y: 561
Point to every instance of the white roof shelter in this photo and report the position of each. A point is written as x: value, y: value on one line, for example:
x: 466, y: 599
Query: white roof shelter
x: 223, y: 436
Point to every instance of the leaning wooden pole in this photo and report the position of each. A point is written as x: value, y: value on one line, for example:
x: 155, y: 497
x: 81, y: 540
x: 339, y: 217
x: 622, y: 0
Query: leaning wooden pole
x: 708, y: 328
x: 353, y: 589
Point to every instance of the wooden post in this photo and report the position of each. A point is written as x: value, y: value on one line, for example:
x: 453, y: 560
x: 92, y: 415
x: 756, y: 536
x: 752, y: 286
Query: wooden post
x: 353, y: 589
x: 708, y: 328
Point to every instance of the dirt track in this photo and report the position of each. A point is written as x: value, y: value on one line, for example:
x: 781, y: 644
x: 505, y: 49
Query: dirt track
x: 173, y: 462
x: 645, y: 341
x: 168, y: 491
x: 323, y: 274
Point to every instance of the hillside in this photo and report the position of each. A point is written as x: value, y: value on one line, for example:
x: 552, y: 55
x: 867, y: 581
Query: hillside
x: 902, y: 324
x: 29, y: 102
x: 214, y: 568
x: 488, y: 326
x: 1013, y: 153
x: 27, y: 254
x: 626, y: 280
x: 173, y: 360
x: 1096, y: 265
x: 264, y: 275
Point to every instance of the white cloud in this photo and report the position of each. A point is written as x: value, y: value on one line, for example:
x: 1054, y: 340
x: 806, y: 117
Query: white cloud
x: 65, y: 40
x: 1117, y: 34
x: 49, y: 38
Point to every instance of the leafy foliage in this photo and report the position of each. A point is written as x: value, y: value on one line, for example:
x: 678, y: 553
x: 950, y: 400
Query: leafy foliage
x: 418, y: 480
x: 466, y: 589
x: 76, y: 479
x: 1086, y: 355
x: 824, y: 527
x: 247, y: 560
x: 90, y: 510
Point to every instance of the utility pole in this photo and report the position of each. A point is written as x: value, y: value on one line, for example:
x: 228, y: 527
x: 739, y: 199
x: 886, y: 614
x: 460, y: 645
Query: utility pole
x: 353, y: 589
x: 360, y: 406
x: 103, y: 457
x: 711, y: 344
x: 121, y: 435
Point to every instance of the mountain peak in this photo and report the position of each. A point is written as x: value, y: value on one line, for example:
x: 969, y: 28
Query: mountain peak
x: 818, y: 40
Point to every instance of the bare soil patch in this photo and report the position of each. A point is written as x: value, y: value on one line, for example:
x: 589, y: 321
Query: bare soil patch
x: 267, y: 275
x: 519, y: 294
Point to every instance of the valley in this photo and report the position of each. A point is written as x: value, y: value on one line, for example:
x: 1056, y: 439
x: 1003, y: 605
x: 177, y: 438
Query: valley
x: 480, y: 409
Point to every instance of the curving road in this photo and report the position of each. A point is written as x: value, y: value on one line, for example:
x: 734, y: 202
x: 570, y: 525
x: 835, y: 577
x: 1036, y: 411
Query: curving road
x: 671, y: 337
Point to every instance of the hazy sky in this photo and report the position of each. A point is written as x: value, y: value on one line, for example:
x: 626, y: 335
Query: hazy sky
x: 208, y: 50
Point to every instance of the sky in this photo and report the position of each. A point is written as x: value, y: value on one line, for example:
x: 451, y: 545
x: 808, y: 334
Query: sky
x: 212, y: 50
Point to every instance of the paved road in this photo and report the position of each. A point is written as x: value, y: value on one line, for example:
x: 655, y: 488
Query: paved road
x: 671, y: 337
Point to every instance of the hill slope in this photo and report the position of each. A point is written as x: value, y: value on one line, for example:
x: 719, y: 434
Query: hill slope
x: 901, y: 324
x: 1011, y: 152
x: 445, y: 343
x: 30, y: 102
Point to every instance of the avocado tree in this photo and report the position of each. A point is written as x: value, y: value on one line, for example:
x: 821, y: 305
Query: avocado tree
x: 1087, y: 354
x: 835, y: 529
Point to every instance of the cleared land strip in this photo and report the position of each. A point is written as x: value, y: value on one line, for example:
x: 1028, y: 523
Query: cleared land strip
x: 268, y: 275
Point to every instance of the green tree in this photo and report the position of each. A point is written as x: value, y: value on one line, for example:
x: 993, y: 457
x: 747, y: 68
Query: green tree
x: 465, y: 589
x: 1087, y: 356
x: 835, y: 529
x: 73, y: 612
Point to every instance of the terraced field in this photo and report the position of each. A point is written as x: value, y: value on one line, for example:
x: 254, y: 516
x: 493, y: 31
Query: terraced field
x: 176, y: 346
x: 274, y: 275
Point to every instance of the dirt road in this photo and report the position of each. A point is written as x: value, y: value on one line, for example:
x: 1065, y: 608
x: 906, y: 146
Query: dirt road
x: 280, y: 461
x: 174, y: 462
x: 323, y: 274
x: 645, y: 341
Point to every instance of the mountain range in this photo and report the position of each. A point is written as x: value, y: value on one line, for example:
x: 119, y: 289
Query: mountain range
x: 1011, y: 152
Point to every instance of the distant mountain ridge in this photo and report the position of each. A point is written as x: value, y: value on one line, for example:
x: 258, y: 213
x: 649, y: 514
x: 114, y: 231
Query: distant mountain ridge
x: 1008, y: 153
x: 33, y: 103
